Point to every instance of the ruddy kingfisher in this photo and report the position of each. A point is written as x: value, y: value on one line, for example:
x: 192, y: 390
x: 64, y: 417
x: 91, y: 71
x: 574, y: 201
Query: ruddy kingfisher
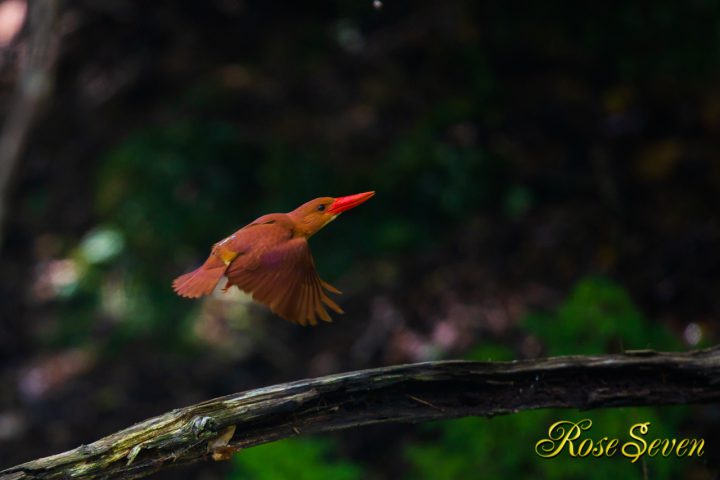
x: 270, y: 259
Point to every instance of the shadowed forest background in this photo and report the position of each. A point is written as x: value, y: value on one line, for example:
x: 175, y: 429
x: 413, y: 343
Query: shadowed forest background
x: 547, y: 183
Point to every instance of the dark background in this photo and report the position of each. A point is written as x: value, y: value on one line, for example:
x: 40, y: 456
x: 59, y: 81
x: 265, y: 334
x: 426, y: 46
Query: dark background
x: 547, y: 183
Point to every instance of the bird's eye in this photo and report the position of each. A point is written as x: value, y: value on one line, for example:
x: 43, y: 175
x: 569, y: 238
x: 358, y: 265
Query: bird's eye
x: 321, y: 208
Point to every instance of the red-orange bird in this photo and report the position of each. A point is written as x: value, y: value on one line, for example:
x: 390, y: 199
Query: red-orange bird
x: 270, y: 259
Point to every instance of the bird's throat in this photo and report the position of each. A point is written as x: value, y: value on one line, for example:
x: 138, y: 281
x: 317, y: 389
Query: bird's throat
x: 310, y: 230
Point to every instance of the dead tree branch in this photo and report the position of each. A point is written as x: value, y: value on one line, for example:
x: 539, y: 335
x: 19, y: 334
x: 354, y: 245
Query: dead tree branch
x: 403, y: 393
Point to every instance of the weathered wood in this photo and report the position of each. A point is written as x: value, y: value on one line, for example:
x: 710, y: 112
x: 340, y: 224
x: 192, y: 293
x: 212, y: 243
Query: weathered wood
x: 403, y: 393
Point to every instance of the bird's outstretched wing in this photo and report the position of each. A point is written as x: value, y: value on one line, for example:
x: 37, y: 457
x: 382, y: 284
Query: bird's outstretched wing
x: 284, y: 278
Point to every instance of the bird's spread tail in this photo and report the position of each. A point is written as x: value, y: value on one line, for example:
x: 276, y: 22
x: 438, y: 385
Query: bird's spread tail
x: 199, y: 282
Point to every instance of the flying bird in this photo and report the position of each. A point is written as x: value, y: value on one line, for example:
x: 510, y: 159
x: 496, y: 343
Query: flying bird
x: 270, y: 259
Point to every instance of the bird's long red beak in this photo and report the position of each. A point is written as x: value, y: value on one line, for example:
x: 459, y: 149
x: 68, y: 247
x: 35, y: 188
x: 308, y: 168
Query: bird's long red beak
x: 342, y: 204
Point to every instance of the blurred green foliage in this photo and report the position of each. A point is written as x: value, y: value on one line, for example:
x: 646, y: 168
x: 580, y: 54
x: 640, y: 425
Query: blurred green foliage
x: 598, y: 317
x: 433, y: 184
x: 300, y: 459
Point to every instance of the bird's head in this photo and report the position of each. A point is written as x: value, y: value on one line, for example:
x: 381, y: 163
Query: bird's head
x: 310, y: 217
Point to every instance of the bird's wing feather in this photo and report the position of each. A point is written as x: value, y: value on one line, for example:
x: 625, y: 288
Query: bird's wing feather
x: 281, y: 274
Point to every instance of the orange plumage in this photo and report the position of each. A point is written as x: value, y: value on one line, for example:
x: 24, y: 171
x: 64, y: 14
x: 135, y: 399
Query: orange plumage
x: 270, y: 259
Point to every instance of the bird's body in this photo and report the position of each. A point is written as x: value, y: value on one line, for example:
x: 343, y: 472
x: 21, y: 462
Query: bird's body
x: 270, y: 258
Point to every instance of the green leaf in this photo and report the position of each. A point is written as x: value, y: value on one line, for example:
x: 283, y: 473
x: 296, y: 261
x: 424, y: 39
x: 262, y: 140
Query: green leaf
x: 298, y: 459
